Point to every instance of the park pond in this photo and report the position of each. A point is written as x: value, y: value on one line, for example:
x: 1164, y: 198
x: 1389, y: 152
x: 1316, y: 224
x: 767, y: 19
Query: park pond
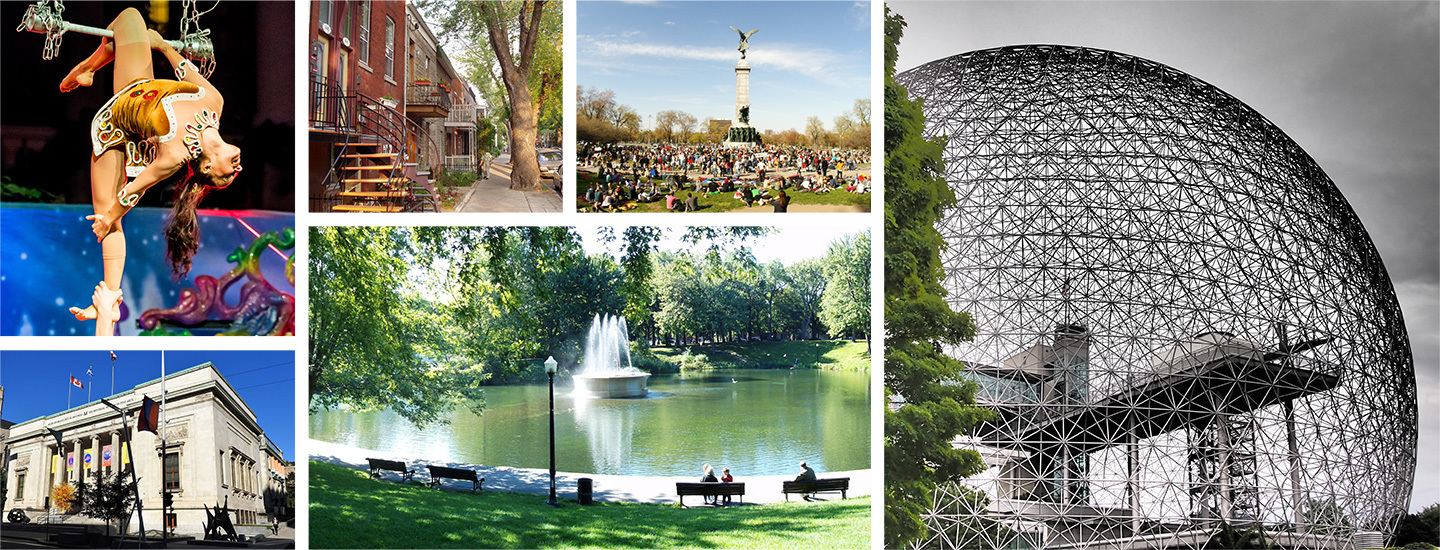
x: 755, y: 422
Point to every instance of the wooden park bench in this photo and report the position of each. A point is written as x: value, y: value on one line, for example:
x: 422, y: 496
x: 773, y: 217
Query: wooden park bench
x: 437, y: 472
x: 839, y: 484
x: 379, y: 464
x: 710, y: 489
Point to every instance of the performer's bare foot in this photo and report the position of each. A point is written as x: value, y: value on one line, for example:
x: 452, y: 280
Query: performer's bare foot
x: 89, y: 313
x: 81, y: 75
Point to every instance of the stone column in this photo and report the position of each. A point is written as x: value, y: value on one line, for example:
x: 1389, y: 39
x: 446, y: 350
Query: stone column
x: 742, y: 91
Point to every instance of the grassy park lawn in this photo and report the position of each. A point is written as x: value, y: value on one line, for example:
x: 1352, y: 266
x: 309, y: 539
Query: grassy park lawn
x: 721, y: 202
x: 841, y: 355
x: 350, y: 510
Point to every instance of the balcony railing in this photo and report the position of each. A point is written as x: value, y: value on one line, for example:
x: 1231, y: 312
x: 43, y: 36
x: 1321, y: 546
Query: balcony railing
x: 461, y: 114
x: 427, y: 95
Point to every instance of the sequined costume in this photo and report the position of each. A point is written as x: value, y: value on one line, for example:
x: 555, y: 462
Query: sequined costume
x: 135, y: 117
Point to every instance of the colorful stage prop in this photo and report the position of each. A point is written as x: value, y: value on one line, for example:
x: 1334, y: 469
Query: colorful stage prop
x: 262, y: 310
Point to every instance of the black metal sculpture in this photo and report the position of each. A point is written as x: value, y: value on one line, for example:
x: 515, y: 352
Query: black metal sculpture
x: 17, y: 515
x: 1182, y: 323
x: 218, y: 521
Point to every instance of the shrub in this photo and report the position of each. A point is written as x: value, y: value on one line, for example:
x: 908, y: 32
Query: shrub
x: 455, y: 179
x: 697, y: 361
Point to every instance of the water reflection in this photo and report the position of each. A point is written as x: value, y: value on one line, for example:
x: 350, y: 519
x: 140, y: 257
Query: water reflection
x: 754, y: 422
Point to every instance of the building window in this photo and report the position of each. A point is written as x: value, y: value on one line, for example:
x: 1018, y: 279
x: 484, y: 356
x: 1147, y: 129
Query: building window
x: 346, y: 25
x: 389, y: 48
x: 20, y: 487
x: 327, y: 10
x: 170, y: 522
x: 172, y: 471
x: 363, y: 36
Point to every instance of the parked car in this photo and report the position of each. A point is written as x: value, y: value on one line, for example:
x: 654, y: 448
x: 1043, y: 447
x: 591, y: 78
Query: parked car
x: 551, y: 162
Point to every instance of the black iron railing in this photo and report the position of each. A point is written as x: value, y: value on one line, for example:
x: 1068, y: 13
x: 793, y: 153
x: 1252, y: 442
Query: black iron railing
x: 427, y: 94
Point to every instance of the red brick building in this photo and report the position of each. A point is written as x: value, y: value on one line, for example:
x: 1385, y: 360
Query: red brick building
x: 359, y: 45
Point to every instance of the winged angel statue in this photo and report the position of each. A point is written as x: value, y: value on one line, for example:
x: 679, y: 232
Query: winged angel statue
x: 744, y: 40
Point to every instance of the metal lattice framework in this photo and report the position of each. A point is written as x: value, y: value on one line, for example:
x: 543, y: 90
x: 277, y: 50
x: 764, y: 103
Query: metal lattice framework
x: 1183, y: 327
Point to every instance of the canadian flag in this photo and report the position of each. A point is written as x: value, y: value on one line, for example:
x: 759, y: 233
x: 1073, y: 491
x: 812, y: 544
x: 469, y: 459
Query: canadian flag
x: 76, y: 382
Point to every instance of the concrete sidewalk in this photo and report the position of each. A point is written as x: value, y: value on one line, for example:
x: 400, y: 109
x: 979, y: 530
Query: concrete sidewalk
x: 493, y: 194
x: 655, y: 490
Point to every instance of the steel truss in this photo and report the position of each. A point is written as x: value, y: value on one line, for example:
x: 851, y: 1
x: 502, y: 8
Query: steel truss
x: 1183, y: 326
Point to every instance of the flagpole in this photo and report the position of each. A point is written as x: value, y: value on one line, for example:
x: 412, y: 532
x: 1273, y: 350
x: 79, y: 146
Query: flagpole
x: 164, y: 415
x: 90, y: 371
x: 112, y: 373
x: 68, y: 385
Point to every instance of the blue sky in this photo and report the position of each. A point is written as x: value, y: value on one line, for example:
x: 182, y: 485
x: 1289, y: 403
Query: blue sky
x: 36, y: 382
x: 809, y: 58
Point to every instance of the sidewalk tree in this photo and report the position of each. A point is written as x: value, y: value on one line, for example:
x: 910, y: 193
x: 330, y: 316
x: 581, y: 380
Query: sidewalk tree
x: 932, y: 409
x: 516, y: 43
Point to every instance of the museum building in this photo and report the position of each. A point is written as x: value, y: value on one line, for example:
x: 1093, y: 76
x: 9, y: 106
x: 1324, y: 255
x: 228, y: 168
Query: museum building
x: 214, y: 453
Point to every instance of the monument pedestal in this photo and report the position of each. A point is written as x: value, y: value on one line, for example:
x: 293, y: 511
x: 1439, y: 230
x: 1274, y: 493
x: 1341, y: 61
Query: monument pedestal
x: 741, y: 133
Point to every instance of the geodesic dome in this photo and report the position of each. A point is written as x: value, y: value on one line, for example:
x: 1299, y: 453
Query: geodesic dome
x: 1184, y: 329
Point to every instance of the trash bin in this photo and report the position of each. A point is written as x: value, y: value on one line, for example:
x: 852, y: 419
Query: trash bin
x: 585, y: 490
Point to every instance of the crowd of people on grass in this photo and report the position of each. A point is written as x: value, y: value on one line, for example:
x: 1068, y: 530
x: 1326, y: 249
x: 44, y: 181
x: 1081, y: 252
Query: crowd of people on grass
x: 718, y: 160
x: 617, y: 191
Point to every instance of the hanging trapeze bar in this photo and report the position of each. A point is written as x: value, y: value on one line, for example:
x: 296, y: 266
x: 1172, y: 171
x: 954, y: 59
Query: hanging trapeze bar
x: 45, y: 17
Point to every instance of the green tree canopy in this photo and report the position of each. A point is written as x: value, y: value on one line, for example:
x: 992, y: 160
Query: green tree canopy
x: 845, y: 305
x: 918, y: 323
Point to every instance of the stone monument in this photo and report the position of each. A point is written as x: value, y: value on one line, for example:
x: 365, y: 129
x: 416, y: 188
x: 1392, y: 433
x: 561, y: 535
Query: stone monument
x: 741, y: 133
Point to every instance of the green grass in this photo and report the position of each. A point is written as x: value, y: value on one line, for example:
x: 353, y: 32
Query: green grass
x: 721, y: 202
x: 350, y: 510
x: 841, y: 355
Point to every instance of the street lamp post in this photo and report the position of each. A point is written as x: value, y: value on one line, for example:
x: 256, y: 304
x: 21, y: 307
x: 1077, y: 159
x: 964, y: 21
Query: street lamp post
x: 550, y: 371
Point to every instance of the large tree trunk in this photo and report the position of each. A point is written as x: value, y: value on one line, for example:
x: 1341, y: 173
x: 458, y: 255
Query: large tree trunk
x: 515, y: 73
x: 523, y: 158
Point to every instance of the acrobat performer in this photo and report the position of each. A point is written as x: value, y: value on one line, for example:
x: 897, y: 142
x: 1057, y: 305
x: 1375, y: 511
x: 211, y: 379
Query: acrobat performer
x: 158, y: 128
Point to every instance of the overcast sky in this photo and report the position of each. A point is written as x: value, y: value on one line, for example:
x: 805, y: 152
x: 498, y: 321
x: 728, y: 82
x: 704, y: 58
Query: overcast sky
x: 808, y: 58
x: 1355, y: 84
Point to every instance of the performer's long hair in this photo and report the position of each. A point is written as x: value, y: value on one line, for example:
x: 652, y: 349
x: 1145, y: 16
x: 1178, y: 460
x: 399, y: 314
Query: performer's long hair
x: 182, y: 230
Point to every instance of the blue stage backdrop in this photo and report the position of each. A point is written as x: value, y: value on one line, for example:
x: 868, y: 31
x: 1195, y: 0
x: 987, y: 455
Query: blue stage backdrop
x: 50, y: 261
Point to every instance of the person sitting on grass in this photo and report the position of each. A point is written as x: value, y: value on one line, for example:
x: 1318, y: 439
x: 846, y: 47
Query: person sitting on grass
x: 670, y: 201
x: 691, y: 203
x: 709, y: 477
x: 782, y: 202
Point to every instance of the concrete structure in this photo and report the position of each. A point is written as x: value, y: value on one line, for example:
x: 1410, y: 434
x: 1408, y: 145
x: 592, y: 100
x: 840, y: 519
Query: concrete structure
x: 213, y: 451
x: 741, y: 133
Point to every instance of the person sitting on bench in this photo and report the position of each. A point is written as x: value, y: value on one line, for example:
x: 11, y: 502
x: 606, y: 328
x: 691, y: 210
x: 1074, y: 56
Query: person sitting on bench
x: 709, y: 477
x: 806, y: 474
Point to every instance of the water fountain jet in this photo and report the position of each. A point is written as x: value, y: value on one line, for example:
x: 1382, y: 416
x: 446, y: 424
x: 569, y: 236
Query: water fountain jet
x: 606, y: 365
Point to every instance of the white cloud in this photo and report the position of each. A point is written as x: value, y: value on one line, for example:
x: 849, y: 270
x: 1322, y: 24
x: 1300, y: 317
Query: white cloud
x: 818, y: 64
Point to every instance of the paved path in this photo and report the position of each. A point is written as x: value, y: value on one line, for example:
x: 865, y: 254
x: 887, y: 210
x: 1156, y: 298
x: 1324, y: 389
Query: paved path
x: 494, y: 194
x: 656, y: 490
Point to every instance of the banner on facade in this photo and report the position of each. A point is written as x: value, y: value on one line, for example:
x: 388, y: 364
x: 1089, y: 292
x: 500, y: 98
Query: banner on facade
x: 55, y: 464
x: 70, y: 460
x: 89, y: 459
x: 105, y: 456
